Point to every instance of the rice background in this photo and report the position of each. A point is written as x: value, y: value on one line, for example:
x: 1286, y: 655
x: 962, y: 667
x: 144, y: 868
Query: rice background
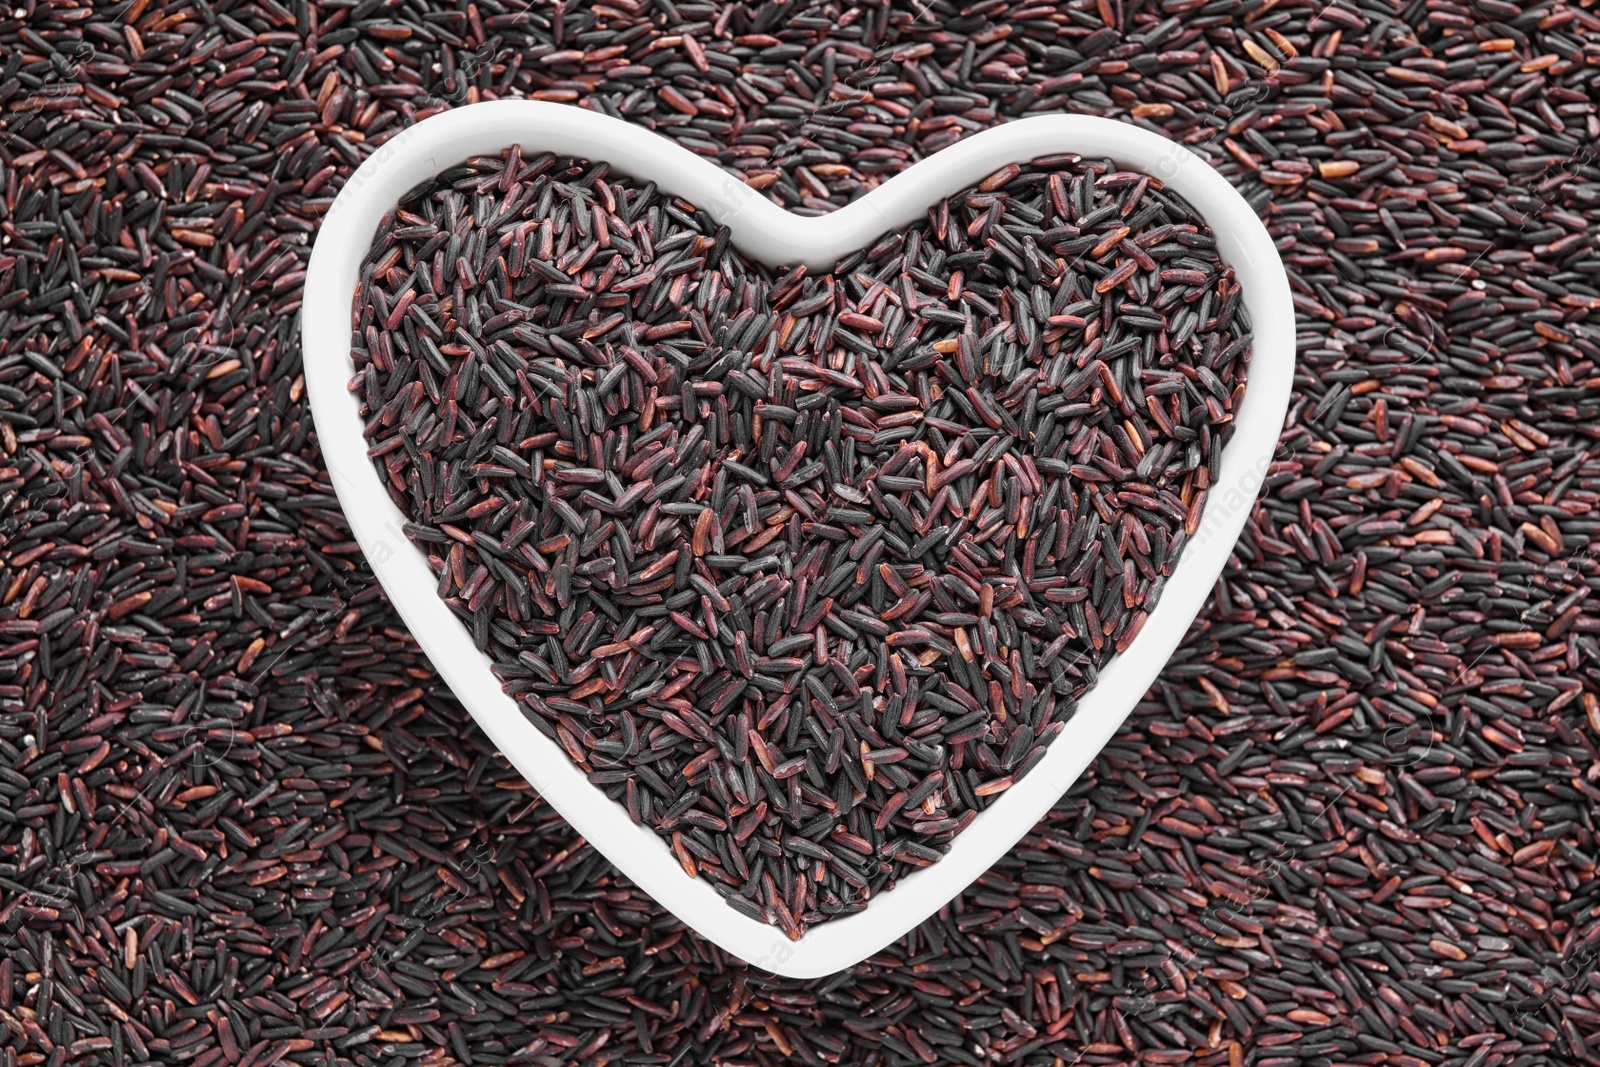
x: 244, y: 823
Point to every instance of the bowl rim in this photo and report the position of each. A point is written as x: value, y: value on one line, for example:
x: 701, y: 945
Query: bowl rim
x: 772, y: 235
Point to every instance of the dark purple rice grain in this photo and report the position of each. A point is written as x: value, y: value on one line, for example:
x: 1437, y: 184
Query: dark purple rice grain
x: 801, y: 569
x: 1457, y: 136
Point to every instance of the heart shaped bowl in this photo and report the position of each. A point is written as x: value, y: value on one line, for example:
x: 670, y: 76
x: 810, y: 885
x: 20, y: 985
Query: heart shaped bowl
x: 771, y: 235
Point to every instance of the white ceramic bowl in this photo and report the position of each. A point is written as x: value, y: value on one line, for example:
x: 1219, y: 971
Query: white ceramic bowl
x: 773, y: 236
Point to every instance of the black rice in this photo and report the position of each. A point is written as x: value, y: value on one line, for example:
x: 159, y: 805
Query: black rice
x: 1354, y: 822
x: 804, y: 570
